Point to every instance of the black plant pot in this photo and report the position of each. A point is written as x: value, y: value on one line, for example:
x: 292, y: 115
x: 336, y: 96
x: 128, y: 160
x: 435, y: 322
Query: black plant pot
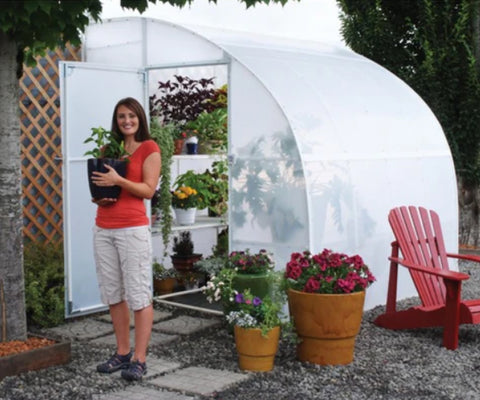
x: 98, y: 164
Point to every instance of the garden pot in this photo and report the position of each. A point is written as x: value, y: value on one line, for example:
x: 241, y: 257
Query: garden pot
x: 192, y: 148
x: 178, y: 146
x: 256, y: 352
x: 185, y: 216
x: 164, y: 286
x: 98, y: 164
x: 327, y: 325
x: 185, y: 263
x: 259, y: 284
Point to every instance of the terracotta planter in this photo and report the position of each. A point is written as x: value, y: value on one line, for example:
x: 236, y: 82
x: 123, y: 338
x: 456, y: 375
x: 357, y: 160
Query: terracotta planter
x: 327, y: 325
x: 98, y: 164
x: 256, y: 352
x: 258, y: 284
x: 178, y: 146
x: 185, y: 263
x: 164, y: 286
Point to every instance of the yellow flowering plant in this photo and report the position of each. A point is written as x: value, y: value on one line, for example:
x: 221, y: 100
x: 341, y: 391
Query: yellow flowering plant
x: 185, y: 197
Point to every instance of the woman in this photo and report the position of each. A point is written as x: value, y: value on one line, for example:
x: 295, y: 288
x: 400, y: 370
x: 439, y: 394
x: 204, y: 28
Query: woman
x: 122, y: 242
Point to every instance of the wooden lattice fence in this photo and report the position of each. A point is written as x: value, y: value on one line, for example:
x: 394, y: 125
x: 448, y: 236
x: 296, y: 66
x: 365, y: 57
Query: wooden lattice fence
x: 41, y: 146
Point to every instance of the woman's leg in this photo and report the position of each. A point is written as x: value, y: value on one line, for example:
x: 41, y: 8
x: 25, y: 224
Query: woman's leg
x: 143, y: 330
x: 121, y: 325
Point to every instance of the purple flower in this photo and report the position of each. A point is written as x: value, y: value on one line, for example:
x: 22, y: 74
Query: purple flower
x: 239, y: 298
x: 257, y: 301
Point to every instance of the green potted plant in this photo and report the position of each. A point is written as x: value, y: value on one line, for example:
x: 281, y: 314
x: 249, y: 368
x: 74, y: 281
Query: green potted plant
x: 184, y: 202
x: 212, y: 128
x: 164, y: 279
x: 199, y: 183
x: 257, y: 327
x: 242, y: 271
x: 316, y: 284
x: 183, y: 257
x: 216, y: 181
x: 109, y: 149
x: 162, y: 200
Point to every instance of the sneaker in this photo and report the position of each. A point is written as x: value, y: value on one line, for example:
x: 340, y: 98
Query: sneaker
x: 135, y: 371
x: 114, y: 363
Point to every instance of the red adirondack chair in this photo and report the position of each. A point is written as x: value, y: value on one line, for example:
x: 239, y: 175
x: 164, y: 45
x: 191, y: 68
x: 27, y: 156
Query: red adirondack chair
x: 419, y: 238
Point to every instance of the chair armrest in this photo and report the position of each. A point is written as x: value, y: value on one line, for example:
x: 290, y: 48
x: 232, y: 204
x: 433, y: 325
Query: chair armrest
x: 467, y: 257
x: 451, y: 275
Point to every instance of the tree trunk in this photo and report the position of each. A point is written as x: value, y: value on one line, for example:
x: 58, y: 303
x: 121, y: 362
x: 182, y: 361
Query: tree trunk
x: 12, y: 318
x: 469, y: 198
x: 469, y: 215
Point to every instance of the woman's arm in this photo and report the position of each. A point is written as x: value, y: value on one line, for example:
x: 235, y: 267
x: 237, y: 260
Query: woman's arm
x: 145, y: 189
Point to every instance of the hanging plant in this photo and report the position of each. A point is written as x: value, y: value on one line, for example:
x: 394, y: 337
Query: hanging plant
x: 163, y: 135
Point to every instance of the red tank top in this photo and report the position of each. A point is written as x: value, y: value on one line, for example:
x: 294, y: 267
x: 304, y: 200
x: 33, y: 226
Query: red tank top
x: 129, y: 210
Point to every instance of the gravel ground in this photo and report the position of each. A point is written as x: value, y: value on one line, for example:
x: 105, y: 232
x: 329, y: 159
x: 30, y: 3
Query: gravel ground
x: 387, y: 365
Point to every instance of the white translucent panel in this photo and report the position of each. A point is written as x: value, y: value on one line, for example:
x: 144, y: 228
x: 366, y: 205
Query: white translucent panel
x: 167, y: 43
x: 268, y: 207
x: 84, y: 107
x: 115, y: 42
x: 110, y: 55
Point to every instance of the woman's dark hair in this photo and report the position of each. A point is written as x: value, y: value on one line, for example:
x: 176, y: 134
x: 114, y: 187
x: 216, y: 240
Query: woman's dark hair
x: 133, y: 105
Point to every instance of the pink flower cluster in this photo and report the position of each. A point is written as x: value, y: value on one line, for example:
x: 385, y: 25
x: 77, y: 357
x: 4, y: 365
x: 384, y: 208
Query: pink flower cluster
x: 327, y: 272
x: 246, y: 263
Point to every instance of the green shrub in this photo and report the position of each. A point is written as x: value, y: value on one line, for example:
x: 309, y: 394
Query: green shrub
x: 44, y: 284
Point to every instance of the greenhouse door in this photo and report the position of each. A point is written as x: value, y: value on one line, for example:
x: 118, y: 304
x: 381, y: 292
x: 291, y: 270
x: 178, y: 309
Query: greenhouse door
x: 88, y: 96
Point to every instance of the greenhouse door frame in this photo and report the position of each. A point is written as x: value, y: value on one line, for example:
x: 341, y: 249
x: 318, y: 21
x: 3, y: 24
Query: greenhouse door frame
x: 89, y: 93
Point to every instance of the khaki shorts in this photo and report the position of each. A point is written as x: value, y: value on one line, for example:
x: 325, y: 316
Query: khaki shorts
x: 123, y: 259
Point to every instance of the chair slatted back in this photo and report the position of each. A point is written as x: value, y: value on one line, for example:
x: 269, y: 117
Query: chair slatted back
x: 419, y: 236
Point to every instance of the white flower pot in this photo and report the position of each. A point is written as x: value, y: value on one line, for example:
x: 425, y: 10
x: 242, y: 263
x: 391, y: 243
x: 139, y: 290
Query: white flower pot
x: 185, y: 216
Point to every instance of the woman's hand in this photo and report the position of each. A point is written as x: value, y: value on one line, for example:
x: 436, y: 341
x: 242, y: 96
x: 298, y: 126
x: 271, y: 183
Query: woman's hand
x: 109, y: 178
x: 104, y: 202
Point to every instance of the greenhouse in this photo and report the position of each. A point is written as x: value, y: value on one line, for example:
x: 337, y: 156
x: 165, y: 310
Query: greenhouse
x: 322, y: 142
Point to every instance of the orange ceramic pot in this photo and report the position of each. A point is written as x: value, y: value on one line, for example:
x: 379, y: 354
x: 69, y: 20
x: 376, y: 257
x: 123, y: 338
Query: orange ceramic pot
x: 164, y: 286
x: 256, y: 352
x: 327, y: 325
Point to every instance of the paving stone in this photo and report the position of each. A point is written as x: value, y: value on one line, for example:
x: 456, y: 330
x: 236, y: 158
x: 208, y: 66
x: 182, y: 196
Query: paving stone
x: 84, y: 329
x: 198, y: 380
x: 161, y: 338
x: 157, y: 317
x: 155, y: 339
x: 110, y: 340
x: 185, y: 325
x: 156, y: 366
x: 141, y: 393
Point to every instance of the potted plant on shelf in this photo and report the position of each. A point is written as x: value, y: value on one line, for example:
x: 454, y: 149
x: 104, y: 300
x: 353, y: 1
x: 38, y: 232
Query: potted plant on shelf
x: 216, y: 181
x: 257, y: 327
x: 182, y: 99
x: 183, y: 256
x: 185, y: 201
x: 326, y: 293
x: 164, y: 279
x: 198, y: 182
x: 212, y: 126
x: 109, y: 150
